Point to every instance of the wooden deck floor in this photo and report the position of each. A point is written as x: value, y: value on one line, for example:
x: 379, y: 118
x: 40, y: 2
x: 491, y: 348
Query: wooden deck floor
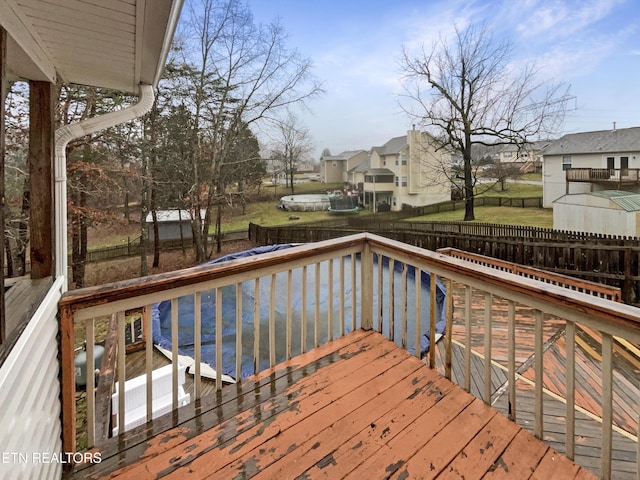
x: 357, y: 407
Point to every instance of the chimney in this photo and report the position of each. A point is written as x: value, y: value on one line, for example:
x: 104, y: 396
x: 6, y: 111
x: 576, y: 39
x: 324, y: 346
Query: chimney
x: 614, y: 126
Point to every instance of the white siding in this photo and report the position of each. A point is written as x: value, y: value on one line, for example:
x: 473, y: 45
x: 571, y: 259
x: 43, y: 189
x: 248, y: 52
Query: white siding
x: 586, y: 213
x: 30, y: 397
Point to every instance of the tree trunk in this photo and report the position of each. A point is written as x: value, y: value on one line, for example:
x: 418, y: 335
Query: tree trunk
x: 9, y: 257
x: 23, y: 230
x: 219, y: 229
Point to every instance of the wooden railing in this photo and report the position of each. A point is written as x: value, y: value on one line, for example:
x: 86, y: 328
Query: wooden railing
x: 354, y: 276
x: 572, y: 283
x: 617, y: 175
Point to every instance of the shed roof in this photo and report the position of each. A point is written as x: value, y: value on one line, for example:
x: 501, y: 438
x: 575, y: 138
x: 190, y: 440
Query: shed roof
x: 166, y: 216
x: 115, y: 44
x: 603, y: 141
x: 628, y: 201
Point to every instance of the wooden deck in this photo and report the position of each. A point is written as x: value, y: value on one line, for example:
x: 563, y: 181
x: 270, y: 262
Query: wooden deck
x: 357, y: 407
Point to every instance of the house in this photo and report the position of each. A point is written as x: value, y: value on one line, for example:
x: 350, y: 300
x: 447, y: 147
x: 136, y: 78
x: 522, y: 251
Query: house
x: 406, y: 170
x: 356, y: 395
x: 528, y: 157
x: 607, y: 212
x: 590, y: 162
x: 334, y: 168
x: 122, y: 47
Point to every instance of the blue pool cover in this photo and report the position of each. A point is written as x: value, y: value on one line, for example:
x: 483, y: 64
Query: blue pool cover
x: 161, y: 312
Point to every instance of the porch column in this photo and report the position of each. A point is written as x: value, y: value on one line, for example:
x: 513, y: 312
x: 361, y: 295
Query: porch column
x: 3, y: 95
x: 41, y: 158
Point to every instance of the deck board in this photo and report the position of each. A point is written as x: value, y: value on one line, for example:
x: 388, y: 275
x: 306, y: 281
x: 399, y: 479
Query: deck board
x: 359, y: 407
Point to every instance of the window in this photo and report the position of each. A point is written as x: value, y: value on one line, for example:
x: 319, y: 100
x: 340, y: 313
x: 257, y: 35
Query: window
x: 384, y: 163
x: 334, y: 164
x: 403, y: 159
x: 394, y: 201
x: 404, y: 181
x: 397, y: 162
x: 507, y: 154
x: 566, y: 162
x: 397, y: 180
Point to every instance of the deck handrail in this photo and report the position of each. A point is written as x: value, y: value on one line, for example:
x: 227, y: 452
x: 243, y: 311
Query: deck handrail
x: 609, y: 319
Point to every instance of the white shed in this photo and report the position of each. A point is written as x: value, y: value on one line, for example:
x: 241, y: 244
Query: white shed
x: 170, y: 223
x: 609, y: 212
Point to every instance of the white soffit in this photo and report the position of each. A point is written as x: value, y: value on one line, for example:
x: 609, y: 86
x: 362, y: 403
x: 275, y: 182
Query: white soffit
x: 114, y: 44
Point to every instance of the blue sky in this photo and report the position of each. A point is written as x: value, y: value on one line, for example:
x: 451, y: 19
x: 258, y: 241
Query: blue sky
x: 591, y: 45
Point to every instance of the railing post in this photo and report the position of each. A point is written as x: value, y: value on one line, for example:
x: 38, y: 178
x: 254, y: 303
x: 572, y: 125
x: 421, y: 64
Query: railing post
x: 366, y: 295
x: 67, y: 374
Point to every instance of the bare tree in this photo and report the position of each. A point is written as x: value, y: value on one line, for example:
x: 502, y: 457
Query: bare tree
x: 291, y: 145
x: 469, y: 93
x: 241, y: 75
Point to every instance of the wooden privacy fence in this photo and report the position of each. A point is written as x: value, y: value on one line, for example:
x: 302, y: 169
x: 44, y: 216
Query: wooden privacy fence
x: 605, y: 259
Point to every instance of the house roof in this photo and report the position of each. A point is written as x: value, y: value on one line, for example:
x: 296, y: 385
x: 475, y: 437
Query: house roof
x: 393, y: 146
x: 628, y: 201
x: 363, y: 166
x: 116, y: 44
x: 603, y: 141
x: 529, y: 147
x: 342, y: 156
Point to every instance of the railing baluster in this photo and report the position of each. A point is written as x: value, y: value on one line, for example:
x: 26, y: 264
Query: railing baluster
x: 488, y: 304
x: 238, y: 331
x: 448, y: 332
x: 392, y: 304
x: 403, y: 307
x: 539, y: 377
x: 121, y: 373
x: 303, y: 327
x: 417, y: 317
x: 366, y: 288
x: 330, y: 302
x: 289, y: 311
x: 380, y: 308
x: 148, y: 360
x: 219, y: 365
x: 511, y: 358
x: 570, y: 333
x: 256, y: 325
x: 467, y: 336
x: 174, y: 353
x: 272, y: 322
x: 607, y: 404
x: 316, y: 309
x: 342, y: 292
x: 90, y: 382
x: 354, y: 297
x: 197, y: 343
x: 433, y: 280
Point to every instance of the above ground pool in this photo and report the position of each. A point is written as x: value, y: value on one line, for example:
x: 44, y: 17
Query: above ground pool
x: 309, y: 202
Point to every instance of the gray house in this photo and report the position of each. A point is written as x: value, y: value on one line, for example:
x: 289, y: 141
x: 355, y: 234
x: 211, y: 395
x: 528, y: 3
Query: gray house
x: 590, y: 162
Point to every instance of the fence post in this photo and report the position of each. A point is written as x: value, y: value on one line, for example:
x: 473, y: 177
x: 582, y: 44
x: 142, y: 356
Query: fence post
x: 627, y: 283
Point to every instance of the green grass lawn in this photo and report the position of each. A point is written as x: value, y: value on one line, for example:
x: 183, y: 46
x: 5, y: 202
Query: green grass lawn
x: 265, y: 212
x: 528, y: 217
